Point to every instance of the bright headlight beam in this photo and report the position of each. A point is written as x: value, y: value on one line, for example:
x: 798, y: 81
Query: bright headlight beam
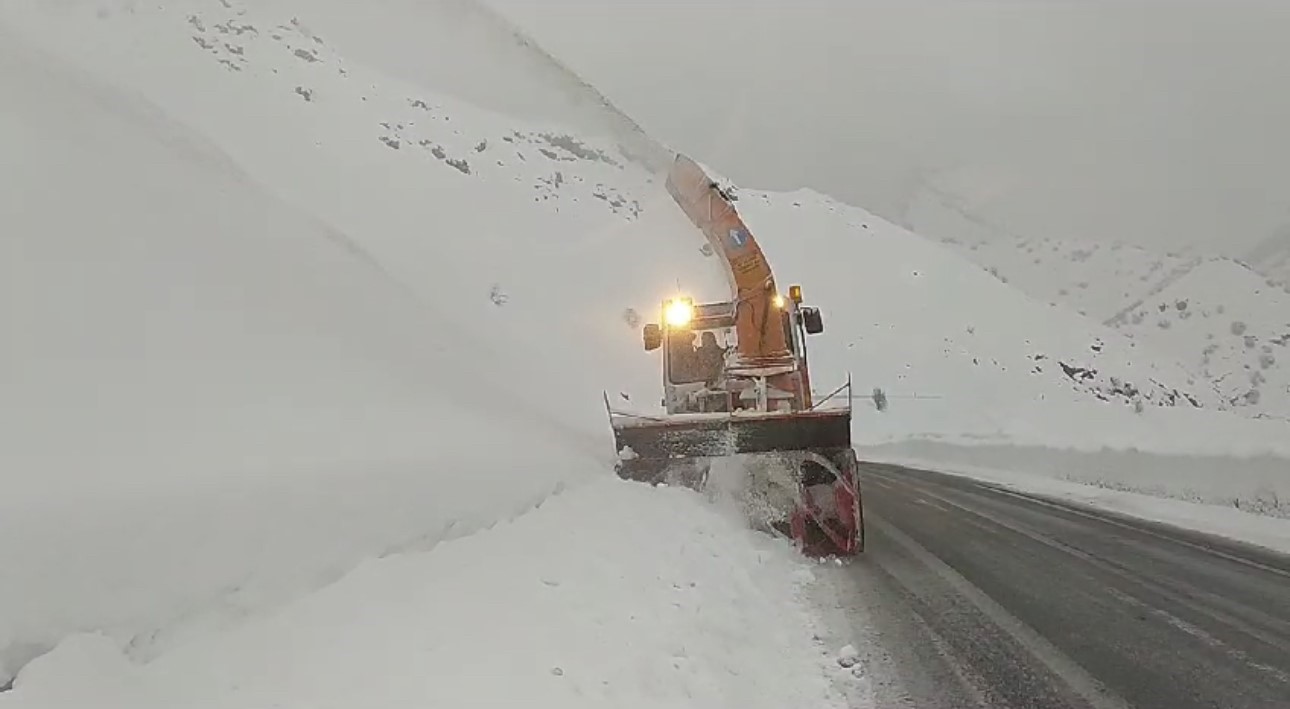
x: 678, y: 313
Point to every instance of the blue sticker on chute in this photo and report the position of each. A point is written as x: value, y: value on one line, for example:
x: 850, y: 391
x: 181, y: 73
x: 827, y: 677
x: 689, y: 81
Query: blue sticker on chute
x: 738, y: 238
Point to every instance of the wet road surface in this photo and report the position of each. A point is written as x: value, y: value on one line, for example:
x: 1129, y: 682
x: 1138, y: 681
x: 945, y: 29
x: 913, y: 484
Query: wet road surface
x: 971, y: 595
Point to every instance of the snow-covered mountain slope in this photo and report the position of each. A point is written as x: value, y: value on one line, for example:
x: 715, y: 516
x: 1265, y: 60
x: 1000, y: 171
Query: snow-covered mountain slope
x: 281, y: 312
x: 1234, y: 322
x: 165, y: 311
x: 961, y: 356
x: 1184, y: 306
x: 1271, y: 257
x: 1092, y: 278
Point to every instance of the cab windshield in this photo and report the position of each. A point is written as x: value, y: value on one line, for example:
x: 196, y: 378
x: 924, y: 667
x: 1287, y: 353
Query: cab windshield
x: 698, y: 355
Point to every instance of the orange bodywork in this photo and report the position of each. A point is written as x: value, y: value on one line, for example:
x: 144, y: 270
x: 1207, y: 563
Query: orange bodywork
x: 762, y: 342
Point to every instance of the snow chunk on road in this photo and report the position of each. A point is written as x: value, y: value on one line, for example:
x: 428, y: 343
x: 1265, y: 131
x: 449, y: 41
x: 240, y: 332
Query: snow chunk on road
x: 612, y: 594
x: 848, y: 656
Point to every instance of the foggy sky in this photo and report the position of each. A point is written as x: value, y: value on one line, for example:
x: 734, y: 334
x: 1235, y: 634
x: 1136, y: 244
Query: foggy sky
x: 1157, y: 122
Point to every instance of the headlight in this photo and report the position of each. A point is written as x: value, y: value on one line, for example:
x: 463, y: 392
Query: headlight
x: 778, y: 301
x: 678, y: 313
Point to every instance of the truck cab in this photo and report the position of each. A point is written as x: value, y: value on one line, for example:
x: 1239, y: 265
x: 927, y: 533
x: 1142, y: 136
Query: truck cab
x: 701, y: 371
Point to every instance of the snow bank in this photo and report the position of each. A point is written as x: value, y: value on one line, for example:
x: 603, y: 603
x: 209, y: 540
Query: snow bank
x: 609, y: 595
x: 152, y: 566
x: 211, y: 403
x: 1244, y: 499
x: 280, y: 314
x: 1069, y: 425
x: 1254, y: 485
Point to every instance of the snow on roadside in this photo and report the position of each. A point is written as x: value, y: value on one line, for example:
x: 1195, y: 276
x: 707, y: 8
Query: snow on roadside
x: 612, y: 594
x: 207, y: 404
x: 218, y: 397
x: 1244, y: 499
x: 199, y: 554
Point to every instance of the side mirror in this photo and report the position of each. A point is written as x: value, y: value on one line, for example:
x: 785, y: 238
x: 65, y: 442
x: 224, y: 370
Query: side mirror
x: 813, y: 321
x: 653, y: 336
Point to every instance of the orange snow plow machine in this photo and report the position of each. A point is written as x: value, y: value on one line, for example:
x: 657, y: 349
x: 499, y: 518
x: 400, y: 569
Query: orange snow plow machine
x: 736, y: 387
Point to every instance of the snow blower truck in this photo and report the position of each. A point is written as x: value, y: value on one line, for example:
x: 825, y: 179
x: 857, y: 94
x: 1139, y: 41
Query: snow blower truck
x: 737, y: 387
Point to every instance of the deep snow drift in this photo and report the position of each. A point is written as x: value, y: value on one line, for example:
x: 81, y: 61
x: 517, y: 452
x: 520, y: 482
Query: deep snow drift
x: 195, y: 368
x: 612, y: 595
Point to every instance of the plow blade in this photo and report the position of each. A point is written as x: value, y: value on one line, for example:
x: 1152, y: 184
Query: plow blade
x: 812, y: 449
x: 658, y: 441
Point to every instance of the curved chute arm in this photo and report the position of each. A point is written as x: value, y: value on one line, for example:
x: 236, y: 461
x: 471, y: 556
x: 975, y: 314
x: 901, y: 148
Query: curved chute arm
x: 761, y: 338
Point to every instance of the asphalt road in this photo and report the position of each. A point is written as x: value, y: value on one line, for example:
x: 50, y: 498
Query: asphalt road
x: 969, y: 595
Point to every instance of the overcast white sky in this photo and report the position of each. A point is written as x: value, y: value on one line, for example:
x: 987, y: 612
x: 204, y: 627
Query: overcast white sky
x: 1154, y: 121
